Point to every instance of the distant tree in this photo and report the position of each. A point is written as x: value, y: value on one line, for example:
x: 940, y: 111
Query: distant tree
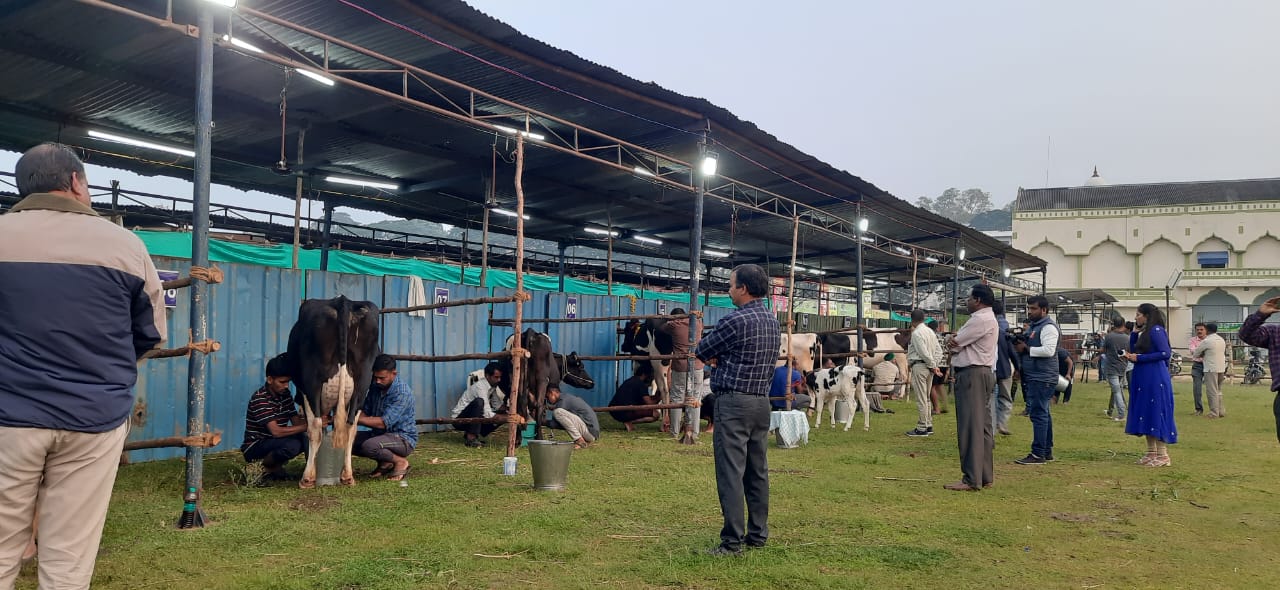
x: 996, y: 219
x: 958, y: 205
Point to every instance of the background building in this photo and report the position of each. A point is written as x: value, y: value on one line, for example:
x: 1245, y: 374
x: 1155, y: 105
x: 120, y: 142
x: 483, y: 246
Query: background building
x: 1210, y: 247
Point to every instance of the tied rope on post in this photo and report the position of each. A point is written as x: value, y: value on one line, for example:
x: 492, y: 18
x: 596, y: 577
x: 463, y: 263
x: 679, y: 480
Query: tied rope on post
x: 211, y: 275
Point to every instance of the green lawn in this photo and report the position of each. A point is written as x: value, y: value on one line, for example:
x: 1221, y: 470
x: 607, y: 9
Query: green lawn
x: 640, y: 508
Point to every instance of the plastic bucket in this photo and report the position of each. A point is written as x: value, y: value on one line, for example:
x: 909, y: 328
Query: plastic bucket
x: 329, y: 461
x: 550, y: 462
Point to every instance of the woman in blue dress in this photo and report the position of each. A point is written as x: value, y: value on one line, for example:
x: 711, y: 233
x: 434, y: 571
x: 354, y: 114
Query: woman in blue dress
x: 1150, y: 388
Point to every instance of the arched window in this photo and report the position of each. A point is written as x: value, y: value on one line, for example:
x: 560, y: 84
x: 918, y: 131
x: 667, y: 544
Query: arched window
x: 1218, y: 306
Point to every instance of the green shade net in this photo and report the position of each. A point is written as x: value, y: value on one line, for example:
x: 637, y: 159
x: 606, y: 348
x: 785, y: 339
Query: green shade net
x: 178, y: 245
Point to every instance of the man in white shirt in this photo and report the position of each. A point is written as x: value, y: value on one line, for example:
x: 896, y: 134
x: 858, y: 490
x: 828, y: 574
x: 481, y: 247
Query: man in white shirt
x: 1212, y: 351
x: 973, y: 361
x: 481, y: 400
x: 923, y: 356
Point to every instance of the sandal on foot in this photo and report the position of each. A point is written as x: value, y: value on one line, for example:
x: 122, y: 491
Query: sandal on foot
x: 1146, y: 459
x: 399, y: 474
x: 383, y: 469
x: 1160, y: 462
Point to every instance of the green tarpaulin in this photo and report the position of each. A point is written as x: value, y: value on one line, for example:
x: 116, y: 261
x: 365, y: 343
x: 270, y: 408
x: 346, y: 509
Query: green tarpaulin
x: 178, y: 245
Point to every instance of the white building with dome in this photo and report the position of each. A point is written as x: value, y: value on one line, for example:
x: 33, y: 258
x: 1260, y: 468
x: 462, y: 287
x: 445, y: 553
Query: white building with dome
x: 1220, y: 241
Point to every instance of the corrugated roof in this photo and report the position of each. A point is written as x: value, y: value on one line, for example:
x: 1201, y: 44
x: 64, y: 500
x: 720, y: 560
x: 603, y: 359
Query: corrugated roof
x: 128, y: 74
x: 1148, y: 195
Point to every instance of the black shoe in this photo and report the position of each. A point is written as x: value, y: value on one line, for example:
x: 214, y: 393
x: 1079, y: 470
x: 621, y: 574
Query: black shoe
x: 918, y: 432
x: 473, y: 442
x: 1050, y: 457
x: 929, y: 430
x: 754, y: 544
x: 1030, y: 459
x: 888, y: 411
x: 722, y: 551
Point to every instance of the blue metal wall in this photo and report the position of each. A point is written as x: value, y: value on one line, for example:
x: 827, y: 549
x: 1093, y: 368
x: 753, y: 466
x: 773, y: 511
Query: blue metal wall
x: 252, y: 311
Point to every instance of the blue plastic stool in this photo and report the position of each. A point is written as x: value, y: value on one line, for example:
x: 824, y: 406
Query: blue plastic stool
x: 527, y: 434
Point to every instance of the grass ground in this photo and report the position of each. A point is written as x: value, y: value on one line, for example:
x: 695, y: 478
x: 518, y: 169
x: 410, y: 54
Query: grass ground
x: 640, y: 508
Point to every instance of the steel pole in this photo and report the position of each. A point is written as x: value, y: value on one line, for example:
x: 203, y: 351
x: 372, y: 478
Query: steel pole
x: 955, y: 284
x: 328, y: 232
x: 563, y: 247
x: 861, y: 284
x: 197, y: 373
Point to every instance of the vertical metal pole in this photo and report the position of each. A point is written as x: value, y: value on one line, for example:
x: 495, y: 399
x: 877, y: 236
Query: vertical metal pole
x: 791, y: 299
x: 484, y: 246
x: 692, y: 420
x: 563, y: 247
x: 116, y: 218
x: 328, y: 232
x: 1044, y: 280
x: 197, y: 373
x: 297, y: 201
x: 861, y: 282
x: 955, y: 284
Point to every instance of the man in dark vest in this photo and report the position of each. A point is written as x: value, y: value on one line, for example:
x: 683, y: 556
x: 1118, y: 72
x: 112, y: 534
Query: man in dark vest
x: 1038, y: 349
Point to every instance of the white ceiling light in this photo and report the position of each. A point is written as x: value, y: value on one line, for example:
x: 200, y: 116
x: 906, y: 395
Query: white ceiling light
x: 901, y: 250
x: 709, y: 164
x: 241, y: 44
x: 327, y: 81
x: 715, y: 254
x: 962, y: 254
x: 142, y: 143
x: 601, y: 232
x: 513, y: 131
x: 863, y: 224
x: 867, y: 239
x: 642, y: 171
x: 1006, y: 272
x: 391, y: 186
x: 507, y: 212
x: 931, y: 259
x: 648, y: 240
x: 447, y: 227
x: 227, y: 3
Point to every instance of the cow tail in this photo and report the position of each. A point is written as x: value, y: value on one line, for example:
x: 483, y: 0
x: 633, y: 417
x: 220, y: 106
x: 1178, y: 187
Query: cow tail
x: 341, y: 433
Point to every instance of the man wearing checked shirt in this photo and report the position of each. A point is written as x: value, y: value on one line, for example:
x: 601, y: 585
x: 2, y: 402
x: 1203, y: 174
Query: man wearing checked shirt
x: 389, y: 413
x: 743, y: 349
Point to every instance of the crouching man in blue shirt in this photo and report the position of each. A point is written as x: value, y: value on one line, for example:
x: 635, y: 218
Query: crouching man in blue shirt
x: 389, y: 414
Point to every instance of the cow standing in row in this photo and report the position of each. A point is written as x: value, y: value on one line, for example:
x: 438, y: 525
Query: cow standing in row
x: 847, y: 383
x: 543, y: 370
x: 330, y: 357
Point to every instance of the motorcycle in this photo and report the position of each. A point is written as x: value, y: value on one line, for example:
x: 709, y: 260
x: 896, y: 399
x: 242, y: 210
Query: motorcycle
x: 1254, y: 372
x: 1175, y: 364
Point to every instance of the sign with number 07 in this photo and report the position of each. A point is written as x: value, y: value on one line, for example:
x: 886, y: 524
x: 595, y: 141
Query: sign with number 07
x: 442, y: 296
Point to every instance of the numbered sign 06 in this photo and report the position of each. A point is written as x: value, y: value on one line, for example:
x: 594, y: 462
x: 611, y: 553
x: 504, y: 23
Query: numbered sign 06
x: 571, y: 308
x: 442, y: 296
x: 170, y: 295
x: 662, y: 308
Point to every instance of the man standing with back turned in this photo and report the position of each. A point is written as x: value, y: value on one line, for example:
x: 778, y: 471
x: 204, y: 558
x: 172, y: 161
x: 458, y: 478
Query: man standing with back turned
x: 745, y: 347
x: 81, y: 303
x: 973, y: 360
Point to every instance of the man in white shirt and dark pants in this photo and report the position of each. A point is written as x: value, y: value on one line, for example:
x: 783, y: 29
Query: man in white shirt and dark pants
x: 923, y: 356
x: 1039, y: 350
x: 973, y: 361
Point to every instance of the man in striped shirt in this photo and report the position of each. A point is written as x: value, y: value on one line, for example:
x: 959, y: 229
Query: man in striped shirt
x: 743, y: 349
x: 274, y: 431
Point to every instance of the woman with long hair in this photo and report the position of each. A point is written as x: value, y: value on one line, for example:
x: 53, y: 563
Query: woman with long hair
x: 1150, y: 388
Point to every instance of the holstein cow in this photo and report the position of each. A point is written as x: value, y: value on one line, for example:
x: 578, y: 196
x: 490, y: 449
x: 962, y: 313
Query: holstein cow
x: 882, y: 342
x: 543, y: 369
x: 648, y: 339
x: 330, y: 358
x: 847, y: 383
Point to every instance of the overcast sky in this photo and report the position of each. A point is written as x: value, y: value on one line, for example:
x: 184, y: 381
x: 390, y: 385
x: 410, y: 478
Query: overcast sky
x: 916, y: 97
x: 919, y: 96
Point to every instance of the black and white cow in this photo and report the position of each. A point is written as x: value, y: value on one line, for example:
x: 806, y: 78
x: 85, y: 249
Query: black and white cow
x: 330, y: 357
x: 647, y: 339
x: 846, y: 383
x: 543, y: 369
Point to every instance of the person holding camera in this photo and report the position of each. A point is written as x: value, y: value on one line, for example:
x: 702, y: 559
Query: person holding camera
x: 1039, y: 351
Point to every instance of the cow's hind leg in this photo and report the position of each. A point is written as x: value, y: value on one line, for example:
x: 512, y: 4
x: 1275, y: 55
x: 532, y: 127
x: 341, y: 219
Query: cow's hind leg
x: 315, y: 433
x: 348, y: 477
x: 861, y: 391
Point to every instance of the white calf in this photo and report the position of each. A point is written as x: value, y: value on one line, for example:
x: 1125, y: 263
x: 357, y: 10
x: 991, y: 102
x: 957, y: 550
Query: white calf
x: 847, y: 383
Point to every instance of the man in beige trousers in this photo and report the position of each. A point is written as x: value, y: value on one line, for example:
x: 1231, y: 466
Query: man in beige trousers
x: 924, y: 354
x: 82, y: 303
x: 1213, y: 351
